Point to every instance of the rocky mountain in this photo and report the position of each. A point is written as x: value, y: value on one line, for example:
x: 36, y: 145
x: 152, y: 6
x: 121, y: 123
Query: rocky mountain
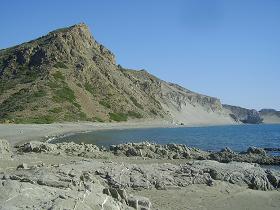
x: 270, y: 115
x: 244, y: 115
x: 68, y: 76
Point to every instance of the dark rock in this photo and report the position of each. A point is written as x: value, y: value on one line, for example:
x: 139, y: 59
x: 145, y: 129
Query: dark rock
x: 84, y: 150
x: 177, y: 151
x: 227, y: 149
x: 22, y: 166
x: 150, y: 150
x: 277, y: 149
x: 36, y: 146
x: 139, y: 202
x: 273, y: 178
x: 255, y: 150
x: 133, y: 152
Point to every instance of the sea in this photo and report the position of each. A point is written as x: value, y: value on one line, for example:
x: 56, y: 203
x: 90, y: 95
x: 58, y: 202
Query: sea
x: 211, y: 138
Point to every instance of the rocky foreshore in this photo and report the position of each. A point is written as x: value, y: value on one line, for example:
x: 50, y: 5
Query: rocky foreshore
x: 39, y: 175
x: 180, y: 151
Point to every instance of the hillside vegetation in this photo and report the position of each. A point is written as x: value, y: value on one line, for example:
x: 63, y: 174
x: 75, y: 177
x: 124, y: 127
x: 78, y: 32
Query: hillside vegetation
x: 68, y: 76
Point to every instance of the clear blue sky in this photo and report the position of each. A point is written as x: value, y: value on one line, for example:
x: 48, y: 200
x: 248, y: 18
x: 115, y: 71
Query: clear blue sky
x: 227, y: 49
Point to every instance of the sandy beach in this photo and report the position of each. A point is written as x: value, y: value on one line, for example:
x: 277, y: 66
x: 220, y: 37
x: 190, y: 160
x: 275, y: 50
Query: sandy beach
x: 221, y: 196
x: 19, y: 133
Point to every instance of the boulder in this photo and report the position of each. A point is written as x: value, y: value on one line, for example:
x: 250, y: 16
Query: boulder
x: 150, y: 150
x: 227, y: 149
x: 136, y: 202
x: 36, y: 146
x: 255, y: 150
x: 71, y: 148
x: 22, y: 166
x: 274, y: 178
x: 119, y: 194
x: 139, y: 202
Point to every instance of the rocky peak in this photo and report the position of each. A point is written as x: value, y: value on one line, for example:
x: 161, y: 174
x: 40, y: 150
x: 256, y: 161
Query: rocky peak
x: 77, y: 41
x: 70, y: 45
x: 77, y: 35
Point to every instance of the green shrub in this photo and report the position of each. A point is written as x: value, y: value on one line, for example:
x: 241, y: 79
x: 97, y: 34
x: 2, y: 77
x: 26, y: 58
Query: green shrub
x: 56, y: 110
x: 105, y: 103
x: 134, y: 114
x: 24, y: 74
x: 29, y: 76
x: 97, y: 119
x: 82, y: 116
x: 65, y: 94
x: 58, y: 76
x: 16, y: 102
x: 6, y: 85
x: 89, y: 88
x: 135, y: 102
x: 40, y: 93
x: 74, y: 116
x: 53, y: 85
x: 118, y: 116
x: 76, y: 104
x: 46, y: 119
x: 69, y: 116
x: 35, y: 108
x: 60, y: 65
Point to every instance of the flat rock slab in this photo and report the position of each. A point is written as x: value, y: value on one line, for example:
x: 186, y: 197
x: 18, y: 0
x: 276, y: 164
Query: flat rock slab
x: 104, y: 184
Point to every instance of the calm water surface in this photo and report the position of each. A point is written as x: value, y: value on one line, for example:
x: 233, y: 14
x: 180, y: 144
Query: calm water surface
x: 238, y: 138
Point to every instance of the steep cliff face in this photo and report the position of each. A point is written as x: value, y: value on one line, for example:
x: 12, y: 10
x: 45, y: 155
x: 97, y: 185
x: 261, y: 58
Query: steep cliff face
x: 180, y: 105
x: 191, y: 108
x: 243, y: 115
x: 270, y: 115
x: 68, y: 76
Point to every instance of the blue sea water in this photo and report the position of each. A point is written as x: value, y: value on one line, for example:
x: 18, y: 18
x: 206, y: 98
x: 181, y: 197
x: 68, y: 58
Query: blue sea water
x: 213, y: 138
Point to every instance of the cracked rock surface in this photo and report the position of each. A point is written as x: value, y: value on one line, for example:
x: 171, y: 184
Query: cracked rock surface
x: 88, y: 177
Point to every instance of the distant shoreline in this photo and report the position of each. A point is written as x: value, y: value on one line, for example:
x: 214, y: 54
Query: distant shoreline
x: 20, y: 133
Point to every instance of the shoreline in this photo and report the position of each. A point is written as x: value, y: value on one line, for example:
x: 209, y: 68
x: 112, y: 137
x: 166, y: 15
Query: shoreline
x: 21, y: 133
